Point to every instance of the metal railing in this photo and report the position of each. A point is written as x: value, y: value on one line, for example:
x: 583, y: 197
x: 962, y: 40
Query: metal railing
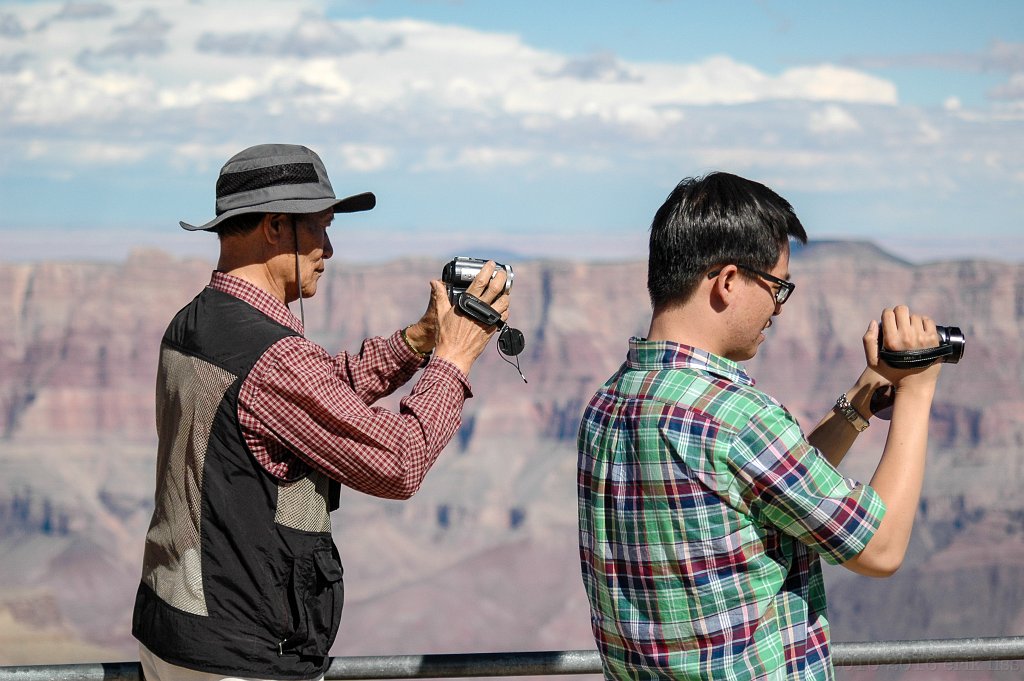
x: 957, y: 651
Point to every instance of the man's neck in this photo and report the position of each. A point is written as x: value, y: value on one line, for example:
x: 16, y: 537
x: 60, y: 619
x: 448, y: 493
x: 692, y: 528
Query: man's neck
x: 258, y: 275
x: 247, y: 261
x: 685, y: 325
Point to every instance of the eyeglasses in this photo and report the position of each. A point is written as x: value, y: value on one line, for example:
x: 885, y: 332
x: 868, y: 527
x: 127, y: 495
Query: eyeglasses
x: 785, y: 287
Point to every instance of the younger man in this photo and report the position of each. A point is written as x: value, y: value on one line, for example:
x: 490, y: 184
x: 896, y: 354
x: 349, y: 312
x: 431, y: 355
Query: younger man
x: 702, y: 506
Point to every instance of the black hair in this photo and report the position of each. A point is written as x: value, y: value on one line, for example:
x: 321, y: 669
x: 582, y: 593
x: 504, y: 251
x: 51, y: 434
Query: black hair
x: 240, y: 225
x: 237, y: 225
x: 717, y: 219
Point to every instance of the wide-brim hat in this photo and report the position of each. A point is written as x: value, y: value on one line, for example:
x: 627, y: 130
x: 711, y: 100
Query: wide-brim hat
x: 278, y: 178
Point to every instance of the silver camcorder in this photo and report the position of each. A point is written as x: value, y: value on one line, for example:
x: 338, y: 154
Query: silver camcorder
x: 460, y: 272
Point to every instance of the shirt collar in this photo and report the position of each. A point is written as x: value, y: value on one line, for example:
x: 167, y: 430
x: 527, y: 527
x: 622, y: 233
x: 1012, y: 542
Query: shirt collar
x: 257, y: 297
x: 645, y: 355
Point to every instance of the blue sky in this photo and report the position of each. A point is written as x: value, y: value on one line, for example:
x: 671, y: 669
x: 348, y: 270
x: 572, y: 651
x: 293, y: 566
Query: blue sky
x: 550, y: 129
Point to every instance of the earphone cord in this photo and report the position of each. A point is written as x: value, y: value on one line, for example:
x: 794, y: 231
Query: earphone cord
x: 298, y: 277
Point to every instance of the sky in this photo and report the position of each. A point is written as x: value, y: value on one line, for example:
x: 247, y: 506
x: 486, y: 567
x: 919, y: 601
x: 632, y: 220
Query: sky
x: 533, y: 128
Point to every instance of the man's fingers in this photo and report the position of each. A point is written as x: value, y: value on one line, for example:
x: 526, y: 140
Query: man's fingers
x: 871, y: 343
x: 489, y: 283
x: 440, y: 297
x: 500, y: 304
x: 482, y: 280
x: 929, y: 331
x: 902, y: 313
x: 903, y: 330
x: 496, y: 286
x: 889, y: 329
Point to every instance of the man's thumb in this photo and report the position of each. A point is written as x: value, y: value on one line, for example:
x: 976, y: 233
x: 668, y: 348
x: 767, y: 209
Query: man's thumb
x: 440, y: 295
x: 871, y: 342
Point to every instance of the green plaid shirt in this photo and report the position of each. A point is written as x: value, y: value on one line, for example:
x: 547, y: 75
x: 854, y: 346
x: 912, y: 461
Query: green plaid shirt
x: 702, y: 512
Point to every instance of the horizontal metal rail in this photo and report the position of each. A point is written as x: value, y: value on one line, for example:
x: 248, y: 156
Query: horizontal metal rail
x: 548, y: 663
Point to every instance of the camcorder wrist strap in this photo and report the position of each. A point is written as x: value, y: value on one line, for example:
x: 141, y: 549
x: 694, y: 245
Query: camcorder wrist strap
x: 949, y: 350
x: 511, y: 341
x: 914, y: 359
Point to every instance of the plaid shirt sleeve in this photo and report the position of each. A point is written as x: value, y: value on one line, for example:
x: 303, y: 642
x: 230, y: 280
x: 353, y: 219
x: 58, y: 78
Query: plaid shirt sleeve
x: 301, y: 406
x: 787, y: 483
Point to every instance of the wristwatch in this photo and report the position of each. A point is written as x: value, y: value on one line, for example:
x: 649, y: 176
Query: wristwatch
x: 846, y: 410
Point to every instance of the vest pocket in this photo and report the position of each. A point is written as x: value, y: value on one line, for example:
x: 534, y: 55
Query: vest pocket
x: 317, y: 596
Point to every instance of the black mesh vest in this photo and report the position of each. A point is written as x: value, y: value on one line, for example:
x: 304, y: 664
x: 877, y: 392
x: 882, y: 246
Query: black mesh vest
x: 240, y: 575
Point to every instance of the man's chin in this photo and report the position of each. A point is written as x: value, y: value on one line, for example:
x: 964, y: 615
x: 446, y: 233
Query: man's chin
x: 746, y: 353
x: 310, y: 284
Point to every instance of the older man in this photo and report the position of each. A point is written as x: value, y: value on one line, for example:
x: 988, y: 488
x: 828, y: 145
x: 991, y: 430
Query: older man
x: 258, y: 428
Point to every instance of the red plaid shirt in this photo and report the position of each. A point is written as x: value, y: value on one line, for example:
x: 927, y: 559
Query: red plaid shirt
x: 302, y: 407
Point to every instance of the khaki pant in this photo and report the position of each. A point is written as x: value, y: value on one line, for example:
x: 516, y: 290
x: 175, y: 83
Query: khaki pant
x: 155, y: 669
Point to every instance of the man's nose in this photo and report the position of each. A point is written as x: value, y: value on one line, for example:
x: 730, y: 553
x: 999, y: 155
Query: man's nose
x: 328, y: 248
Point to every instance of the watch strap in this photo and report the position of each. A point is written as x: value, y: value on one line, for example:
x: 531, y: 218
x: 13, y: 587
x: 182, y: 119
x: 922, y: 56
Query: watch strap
x: 847, y: 411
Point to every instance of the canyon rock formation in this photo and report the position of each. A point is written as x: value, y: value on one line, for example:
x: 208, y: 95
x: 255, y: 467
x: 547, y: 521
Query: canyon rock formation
x: 484, y: 558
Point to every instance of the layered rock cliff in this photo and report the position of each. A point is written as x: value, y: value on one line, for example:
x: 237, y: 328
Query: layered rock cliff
x: 484, y: 557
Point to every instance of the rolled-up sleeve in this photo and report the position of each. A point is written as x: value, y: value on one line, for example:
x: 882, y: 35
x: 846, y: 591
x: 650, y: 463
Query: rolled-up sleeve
x: 788, y: 484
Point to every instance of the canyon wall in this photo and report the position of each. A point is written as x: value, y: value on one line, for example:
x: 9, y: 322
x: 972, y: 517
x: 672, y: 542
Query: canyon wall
x: 484, y: 558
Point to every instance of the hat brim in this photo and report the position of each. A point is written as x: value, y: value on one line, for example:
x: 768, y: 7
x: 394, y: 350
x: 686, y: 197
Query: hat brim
x: 349, y: 204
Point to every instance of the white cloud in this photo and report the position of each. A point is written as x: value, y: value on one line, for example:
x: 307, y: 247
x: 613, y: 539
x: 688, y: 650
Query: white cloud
x: 486, y: 157
x: 78, y: 11
x: 603, y: 66
x: 1006, y: 56
x: 366, y: 157
x: 1012, y: 89
x: 748, y: 158
x: 94, y: 153
x: 11, y: 26
x: 62, y: 153
x: 476, y: 158
x: 198, y: 81
x: 832, y: 119
x: 139, y: 61
x: 60, y: 94
x: 928, y: 133
x: 201, y: 157
x: 834, y: 83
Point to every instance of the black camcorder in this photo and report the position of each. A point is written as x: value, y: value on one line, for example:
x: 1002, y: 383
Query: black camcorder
x: 949, y: 350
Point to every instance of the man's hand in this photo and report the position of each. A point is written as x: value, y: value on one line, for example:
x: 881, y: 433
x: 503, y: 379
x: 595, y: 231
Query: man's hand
x: 422, y: 336
x: 460, y: 340
x: 902, y: 330
x: 833, y: 436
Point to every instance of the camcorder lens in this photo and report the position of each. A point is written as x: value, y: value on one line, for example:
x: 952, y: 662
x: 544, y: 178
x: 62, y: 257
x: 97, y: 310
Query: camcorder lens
x: 954, y: 337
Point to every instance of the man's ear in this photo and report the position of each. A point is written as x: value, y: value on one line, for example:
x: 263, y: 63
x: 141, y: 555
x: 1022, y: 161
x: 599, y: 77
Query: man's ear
x: 276, y: 228
x: 725, y: 285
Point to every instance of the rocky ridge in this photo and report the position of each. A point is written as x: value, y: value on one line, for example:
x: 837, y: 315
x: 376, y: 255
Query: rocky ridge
x: 484, y: 557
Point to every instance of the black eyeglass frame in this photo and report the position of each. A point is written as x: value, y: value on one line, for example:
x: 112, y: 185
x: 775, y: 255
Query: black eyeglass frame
x: 785, y: 287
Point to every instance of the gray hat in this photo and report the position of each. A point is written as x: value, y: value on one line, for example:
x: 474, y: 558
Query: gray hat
x: 278, y: 178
